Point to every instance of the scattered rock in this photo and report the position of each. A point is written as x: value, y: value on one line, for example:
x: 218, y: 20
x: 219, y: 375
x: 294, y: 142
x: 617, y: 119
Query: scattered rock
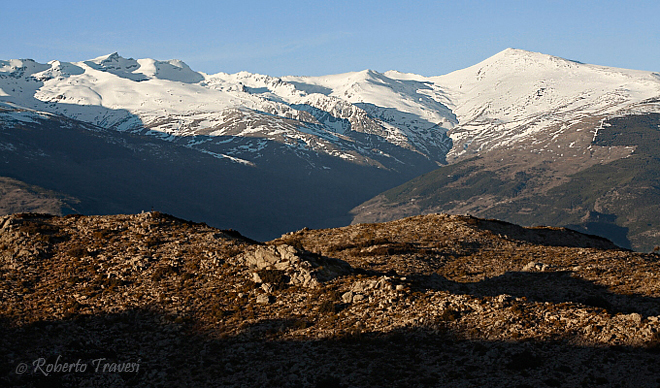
x: 537, y: 267
x: 636, y: 317
x: 347, y: 297
x: 267, y: 287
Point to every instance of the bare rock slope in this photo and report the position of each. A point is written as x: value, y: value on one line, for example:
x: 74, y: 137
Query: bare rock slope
x: 426, y: 301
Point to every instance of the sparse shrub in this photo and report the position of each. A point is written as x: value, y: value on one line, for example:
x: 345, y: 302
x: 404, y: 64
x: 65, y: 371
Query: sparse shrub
x: 31, y: 227
x: 73, y: 280
x: 103, y: 234
x: 231, y: 251
x: 334, y: 295
x: 653, y: 345
x: 164, y: 272
x: 275, y: 277
x: 71, y: 309
x: 72, y: 306
x: 386, y: 250
x: 151, y: 241
x: 248, y: 286
x: 26, y: 285
x: 217, y: 312
x: 235, y: 234
x: 294, y: 240
x: 353, y: 335
x: 43, y: 232
x: 160, y: 216
x: 183, y: 319
x: 91, y: 289
x: 517, y: 310
x: 111, y: 283
x: 78, y: 251
x: 327, y: 307
x: 299, y: 324
x: 362, y: 244
x: 450, y: 315
x: 232, y: 233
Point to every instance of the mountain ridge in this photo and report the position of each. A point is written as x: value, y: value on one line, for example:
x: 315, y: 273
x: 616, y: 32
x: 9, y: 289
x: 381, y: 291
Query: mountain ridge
x: 401, y: 105
x: 520, y: 112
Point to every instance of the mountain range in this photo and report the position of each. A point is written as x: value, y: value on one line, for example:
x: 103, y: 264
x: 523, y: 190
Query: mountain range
x: 522, y: 136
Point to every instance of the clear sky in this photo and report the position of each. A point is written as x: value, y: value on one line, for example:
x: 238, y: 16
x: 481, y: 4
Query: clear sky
x: 310, y: 37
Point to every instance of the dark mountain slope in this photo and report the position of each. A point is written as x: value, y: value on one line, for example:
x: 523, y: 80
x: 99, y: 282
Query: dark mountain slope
x: 91, y: 170
x: 611, y: 189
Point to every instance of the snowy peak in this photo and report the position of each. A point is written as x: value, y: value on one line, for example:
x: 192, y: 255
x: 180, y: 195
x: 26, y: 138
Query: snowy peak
x: 515, y: 65
x: 368, y: 75
x: 60, y: 69
x: 516, y: 94
x: 172, y: 70
x: 509, y: 65
x: 268, y: 87
x: 117, y: 65
x: 144, y: 69
x: 362, y: 117
x: 371, y: 88
x: 524, y: 58
x: 17, y: 68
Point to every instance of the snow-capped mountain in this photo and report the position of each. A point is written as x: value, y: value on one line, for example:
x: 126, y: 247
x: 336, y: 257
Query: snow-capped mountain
x: 335, y: 141
x: 558, y: 143
x: 516, y: 95
x: 356, y: 116
x: 212, y: 112
x: 241, y: 150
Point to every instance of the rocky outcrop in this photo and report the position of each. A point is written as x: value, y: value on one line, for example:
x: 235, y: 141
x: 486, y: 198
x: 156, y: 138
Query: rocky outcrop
x: 300, y: 268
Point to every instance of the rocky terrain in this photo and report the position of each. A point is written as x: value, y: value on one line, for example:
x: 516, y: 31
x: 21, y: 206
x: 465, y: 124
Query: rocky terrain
x: 427, y: 301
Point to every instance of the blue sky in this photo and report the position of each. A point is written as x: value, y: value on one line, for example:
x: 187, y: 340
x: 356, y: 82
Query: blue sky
x: 327, y: 37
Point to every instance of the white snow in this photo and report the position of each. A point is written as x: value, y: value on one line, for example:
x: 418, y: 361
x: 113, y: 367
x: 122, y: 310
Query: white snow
x: 516, y: 88
x: 507, y: 98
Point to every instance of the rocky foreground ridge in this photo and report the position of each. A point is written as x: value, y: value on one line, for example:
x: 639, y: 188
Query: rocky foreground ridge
x: 426, y: 301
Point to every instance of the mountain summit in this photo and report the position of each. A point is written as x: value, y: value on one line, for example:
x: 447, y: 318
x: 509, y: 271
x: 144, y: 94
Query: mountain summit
x: 516, y: 93
x: 541, y: 139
